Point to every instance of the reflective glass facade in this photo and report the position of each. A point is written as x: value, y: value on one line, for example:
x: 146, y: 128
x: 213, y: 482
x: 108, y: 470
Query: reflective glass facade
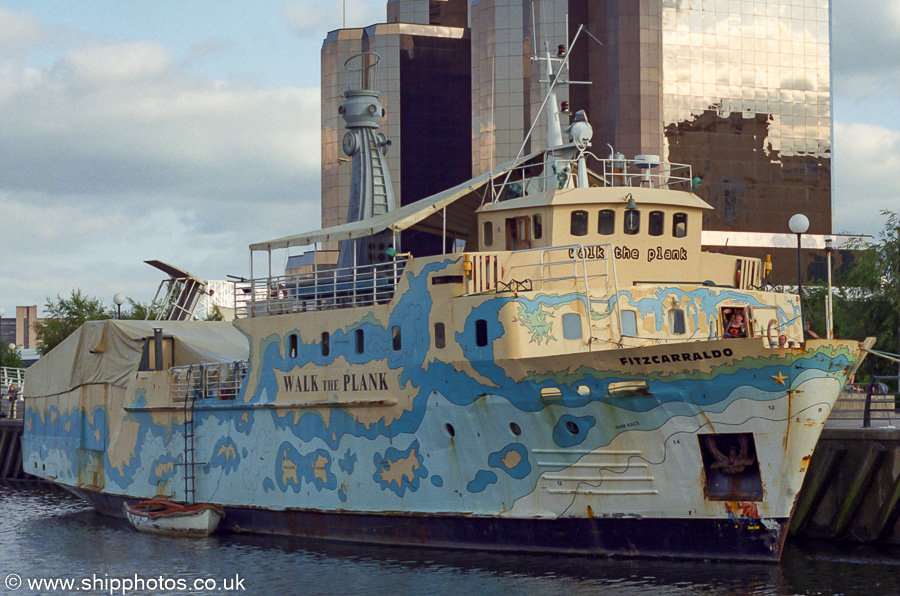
x: 747, y: 102
x: 738, y: 89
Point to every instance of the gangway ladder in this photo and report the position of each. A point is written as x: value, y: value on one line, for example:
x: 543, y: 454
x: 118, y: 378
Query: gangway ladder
x: 188, y: 431
x: 602, y: 297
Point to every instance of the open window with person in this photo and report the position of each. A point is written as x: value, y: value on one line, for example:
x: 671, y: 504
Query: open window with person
x: 735, y: 323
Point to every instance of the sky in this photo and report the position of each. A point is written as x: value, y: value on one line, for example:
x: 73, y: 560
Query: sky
x: 185, y: 131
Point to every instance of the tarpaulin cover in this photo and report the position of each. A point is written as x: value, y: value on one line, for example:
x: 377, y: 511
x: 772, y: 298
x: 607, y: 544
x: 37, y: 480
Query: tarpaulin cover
x: 110, y: 351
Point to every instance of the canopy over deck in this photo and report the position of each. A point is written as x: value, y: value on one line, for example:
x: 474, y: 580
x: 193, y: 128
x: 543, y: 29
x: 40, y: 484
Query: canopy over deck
x: 429, y: 215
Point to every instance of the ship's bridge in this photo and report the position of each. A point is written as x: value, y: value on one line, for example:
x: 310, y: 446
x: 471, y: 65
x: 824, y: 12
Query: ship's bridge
x: 634, y: 222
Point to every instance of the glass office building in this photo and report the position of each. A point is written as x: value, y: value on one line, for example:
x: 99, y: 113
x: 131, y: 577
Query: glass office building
x: 738, y: 89
x: 424, y: 79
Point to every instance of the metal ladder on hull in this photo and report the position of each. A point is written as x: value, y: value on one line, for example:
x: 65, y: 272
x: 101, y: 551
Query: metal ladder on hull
x: 188, y: 431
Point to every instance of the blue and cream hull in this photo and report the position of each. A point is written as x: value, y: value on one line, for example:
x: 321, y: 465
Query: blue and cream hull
x: 602, y: 453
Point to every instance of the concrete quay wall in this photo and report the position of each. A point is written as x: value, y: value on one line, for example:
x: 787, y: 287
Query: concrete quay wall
x: 11, y: 449
x: 852, y: 488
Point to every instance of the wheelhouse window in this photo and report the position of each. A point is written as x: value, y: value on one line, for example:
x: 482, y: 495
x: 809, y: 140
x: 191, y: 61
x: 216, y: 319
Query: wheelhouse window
x: 655, y: 223
x: 606, y: 222
x: 579, y: 223
x: 679, y: 225
x: 632, y: 223
x: 488, y: 234
x: 439, y: 337
x: 537, y: 225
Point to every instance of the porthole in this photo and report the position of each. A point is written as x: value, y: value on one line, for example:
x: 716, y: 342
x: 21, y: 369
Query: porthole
x: 515, y: 429
x: 450, y: 430
x: 571, y: 427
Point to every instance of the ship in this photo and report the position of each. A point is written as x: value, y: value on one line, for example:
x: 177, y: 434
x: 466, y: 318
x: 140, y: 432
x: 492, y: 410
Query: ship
x: 568, y: 372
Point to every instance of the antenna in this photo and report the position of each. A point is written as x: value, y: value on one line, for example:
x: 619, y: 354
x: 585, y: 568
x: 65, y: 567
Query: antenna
x: 552, y: 80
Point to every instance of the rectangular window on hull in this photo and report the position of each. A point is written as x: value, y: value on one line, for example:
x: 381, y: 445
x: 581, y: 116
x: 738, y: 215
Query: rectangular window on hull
x: 396, y: 340
x: 676, y: 321
x: 629, y: 323
x: 360, y: 341
x: 730, y: 467
x: 439, y: 339
x: 571, y: 323
x: 481, y: 334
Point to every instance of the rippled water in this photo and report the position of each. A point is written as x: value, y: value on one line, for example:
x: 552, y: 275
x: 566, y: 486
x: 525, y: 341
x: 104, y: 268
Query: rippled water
x: 49, y: 534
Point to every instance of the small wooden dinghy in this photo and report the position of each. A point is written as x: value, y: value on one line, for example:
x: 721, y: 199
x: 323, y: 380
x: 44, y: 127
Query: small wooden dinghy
x: 174, y: 519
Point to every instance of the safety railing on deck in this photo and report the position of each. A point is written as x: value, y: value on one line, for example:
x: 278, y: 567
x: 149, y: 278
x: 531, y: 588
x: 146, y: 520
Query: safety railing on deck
x: 868, y: 402
x: 12, y: 384
x: 207, y: 381
x: 318, y: 290
x: 879, y: 400
x: 648, y: 172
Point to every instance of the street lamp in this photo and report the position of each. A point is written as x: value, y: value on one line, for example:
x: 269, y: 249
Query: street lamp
x: 798, y: 224
x: 829, y: 306
x: 119, y: 299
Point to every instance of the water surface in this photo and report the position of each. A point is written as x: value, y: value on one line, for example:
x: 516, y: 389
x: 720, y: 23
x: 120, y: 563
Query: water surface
x: 47, y: 534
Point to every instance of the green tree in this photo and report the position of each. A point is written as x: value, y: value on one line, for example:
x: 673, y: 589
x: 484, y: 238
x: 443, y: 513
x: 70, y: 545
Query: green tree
x: 64, y: 315
x: 877, y: 275
x: 214, y: 315
x: 10, y: 358
x: 866, y: 298
x: 138, y: 311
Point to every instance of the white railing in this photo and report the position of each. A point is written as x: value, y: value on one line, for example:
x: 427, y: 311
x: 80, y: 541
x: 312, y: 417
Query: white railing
x: 562, y: 173
x: 207, y: 381
x: 318, y: 290
x: 12, y: 384
x: 11, y: 376
x: 640, y: 172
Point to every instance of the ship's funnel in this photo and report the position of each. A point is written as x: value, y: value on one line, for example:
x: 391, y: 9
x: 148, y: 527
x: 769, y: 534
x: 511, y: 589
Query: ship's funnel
x: 371, y: 191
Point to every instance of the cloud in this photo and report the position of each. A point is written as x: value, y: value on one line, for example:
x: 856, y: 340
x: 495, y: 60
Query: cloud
x: 115, y: 154
x: 866, y: 47
x: 121, y: 118
x: 118, y: 61
x: 866, y: 161
x: 311, y: 18
x: 19, y: 32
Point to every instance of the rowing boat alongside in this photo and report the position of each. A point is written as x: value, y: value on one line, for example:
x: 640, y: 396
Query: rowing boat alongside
x: 174, y: 519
